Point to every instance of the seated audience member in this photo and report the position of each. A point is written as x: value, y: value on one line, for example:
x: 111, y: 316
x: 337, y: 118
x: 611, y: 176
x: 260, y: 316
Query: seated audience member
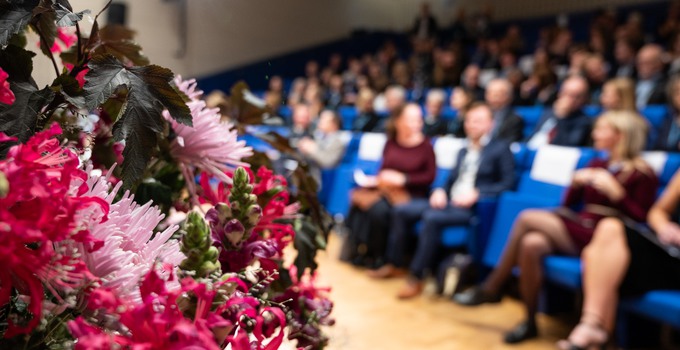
x: 669, y: 133
x: 408, y: 168
x: 595, y: 71
x: 302, y: 124
x: 470, y: 81
x: 297, y: 91
x: 540, y: 89
x: 326, y: 149
x: 391, y: 101
x: 275, y: 96
x: 618, y: 94
x: 622, y: 262
x: 367, y: 120
x: 651, y: 82
x: 624, y: 59
x: 461, y: 100
x: 565, y: 124
x: 507, y: 125
x: 484, y: 168
x: 433, y: 124
x: 334, y: 94
x: 622, y: 185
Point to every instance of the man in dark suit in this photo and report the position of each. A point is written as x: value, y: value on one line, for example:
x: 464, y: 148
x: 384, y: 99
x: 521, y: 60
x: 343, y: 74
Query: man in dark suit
x: 508, y: 126
x: 650, y: 88
x: 565, y: 124
x: 425, y: 26
x: 484, y: 168
x: 433, y: 122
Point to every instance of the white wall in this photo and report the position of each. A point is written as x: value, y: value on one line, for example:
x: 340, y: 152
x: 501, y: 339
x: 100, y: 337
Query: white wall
x: 225, y: 34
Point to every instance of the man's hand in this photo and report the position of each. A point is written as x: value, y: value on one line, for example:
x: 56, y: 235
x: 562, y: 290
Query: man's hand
x: 467, y: 200
x: 438, y: 199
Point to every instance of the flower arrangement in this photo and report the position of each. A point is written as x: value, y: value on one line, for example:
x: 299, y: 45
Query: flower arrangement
x: 95, y: 171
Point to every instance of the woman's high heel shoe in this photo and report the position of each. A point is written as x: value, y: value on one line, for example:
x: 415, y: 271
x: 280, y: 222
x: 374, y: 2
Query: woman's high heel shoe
x: 585, y: 336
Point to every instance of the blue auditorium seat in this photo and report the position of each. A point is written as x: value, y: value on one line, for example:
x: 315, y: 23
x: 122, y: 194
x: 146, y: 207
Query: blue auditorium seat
x: 286, y: 113
x: 531, y: 115
x: 659, y: 305
x: 655, y: 114
x: 592, y: 110
x: 510, y: 204
x: 348, y: 114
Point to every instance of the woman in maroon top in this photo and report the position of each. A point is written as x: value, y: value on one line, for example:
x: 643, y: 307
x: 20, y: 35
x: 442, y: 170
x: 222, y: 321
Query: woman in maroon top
x: 622, y: 186
x: 407, y: 171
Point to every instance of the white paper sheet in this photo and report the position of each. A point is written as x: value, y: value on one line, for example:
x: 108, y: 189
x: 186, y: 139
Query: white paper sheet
x: 555, y: 164
x: 364, y: 180
x: 371, y: 146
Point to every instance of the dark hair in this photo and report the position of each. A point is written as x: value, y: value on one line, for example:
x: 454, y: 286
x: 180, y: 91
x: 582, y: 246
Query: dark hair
x: 390, y: 127
x: 337, y: 120
x: 480, y: 104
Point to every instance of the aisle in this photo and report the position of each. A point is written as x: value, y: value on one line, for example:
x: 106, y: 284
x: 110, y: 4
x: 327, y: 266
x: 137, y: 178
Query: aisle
x: 368, y: 316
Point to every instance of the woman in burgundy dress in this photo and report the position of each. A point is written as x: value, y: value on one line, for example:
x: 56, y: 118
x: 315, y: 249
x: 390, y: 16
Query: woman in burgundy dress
x: 621, y: 186
x: 407, y: 171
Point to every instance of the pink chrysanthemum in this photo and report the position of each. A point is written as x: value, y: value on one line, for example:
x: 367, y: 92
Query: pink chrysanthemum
x: 209, y: 144
x: 130, y: 247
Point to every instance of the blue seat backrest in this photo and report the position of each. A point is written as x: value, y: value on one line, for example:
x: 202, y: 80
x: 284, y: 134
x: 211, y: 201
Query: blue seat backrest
x: 528, y: 185
x: 352, y: 149
x: 348, y: 114
x: 510, y: 204
x: 531, y: 116
x: 449, y: 113
x: 441, y: 177
x: 592, y: 110
x: 286, y: 113
x: 655, y: 114
x: 672, y: 165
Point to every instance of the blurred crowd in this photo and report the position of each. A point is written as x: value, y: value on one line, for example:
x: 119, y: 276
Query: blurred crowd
x: 622, y: 66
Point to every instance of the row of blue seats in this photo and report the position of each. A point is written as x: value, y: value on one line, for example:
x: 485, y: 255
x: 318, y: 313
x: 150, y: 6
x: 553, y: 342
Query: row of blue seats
x: 655, y: 114
x: 485, y: 238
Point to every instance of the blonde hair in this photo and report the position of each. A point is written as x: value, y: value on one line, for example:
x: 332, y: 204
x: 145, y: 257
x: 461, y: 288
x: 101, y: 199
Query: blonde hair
x: 632, y: 129
x: 625, y: 88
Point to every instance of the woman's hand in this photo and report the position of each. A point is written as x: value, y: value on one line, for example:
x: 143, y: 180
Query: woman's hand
x: 582, y: 177
x: 438, y: 199
x: 669, y: 233
x: 605, y: 183
x: 391, y: 177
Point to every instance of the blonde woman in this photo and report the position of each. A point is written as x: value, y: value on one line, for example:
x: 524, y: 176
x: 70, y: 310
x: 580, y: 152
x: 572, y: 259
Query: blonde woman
x: 621, y: 185
x: 618, y: 94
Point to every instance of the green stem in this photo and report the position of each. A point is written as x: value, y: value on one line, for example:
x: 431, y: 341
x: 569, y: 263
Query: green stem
x: 51, y: 56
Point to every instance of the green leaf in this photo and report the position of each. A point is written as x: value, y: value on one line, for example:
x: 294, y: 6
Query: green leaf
x: 44, y: 24
x: 105, y: 75
x: 18, y: 63
x: 159, y: 82
x: 65, y: 16
x: 242, y: 110
x: 69, y: 87
x: 149, y: 92
x: 20, y: 118
x: 155, y: 191
x: 117, y: 41
x: 14, y: 18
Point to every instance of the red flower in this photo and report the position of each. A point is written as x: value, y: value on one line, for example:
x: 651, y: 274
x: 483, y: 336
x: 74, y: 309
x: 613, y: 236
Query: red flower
x: 37, y: 224
x: 6, y: 94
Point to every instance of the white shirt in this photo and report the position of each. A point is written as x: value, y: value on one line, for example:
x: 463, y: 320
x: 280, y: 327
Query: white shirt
x: 467, y: 171
x: 542, y: 136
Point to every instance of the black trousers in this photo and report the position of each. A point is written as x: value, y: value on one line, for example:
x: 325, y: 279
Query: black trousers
x: 367, y: 234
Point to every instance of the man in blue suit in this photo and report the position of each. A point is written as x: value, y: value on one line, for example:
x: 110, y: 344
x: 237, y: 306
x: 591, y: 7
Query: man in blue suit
x: 484, y: 168
x: 565, y: 124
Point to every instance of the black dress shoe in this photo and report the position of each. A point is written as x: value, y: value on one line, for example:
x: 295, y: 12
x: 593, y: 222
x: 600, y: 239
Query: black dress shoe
x: 523, y: 331
x: 475, y: 296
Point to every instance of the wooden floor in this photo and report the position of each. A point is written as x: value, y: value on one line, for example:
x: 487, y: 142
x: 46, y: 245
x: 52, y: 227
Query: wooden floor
x: 368, y: 315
